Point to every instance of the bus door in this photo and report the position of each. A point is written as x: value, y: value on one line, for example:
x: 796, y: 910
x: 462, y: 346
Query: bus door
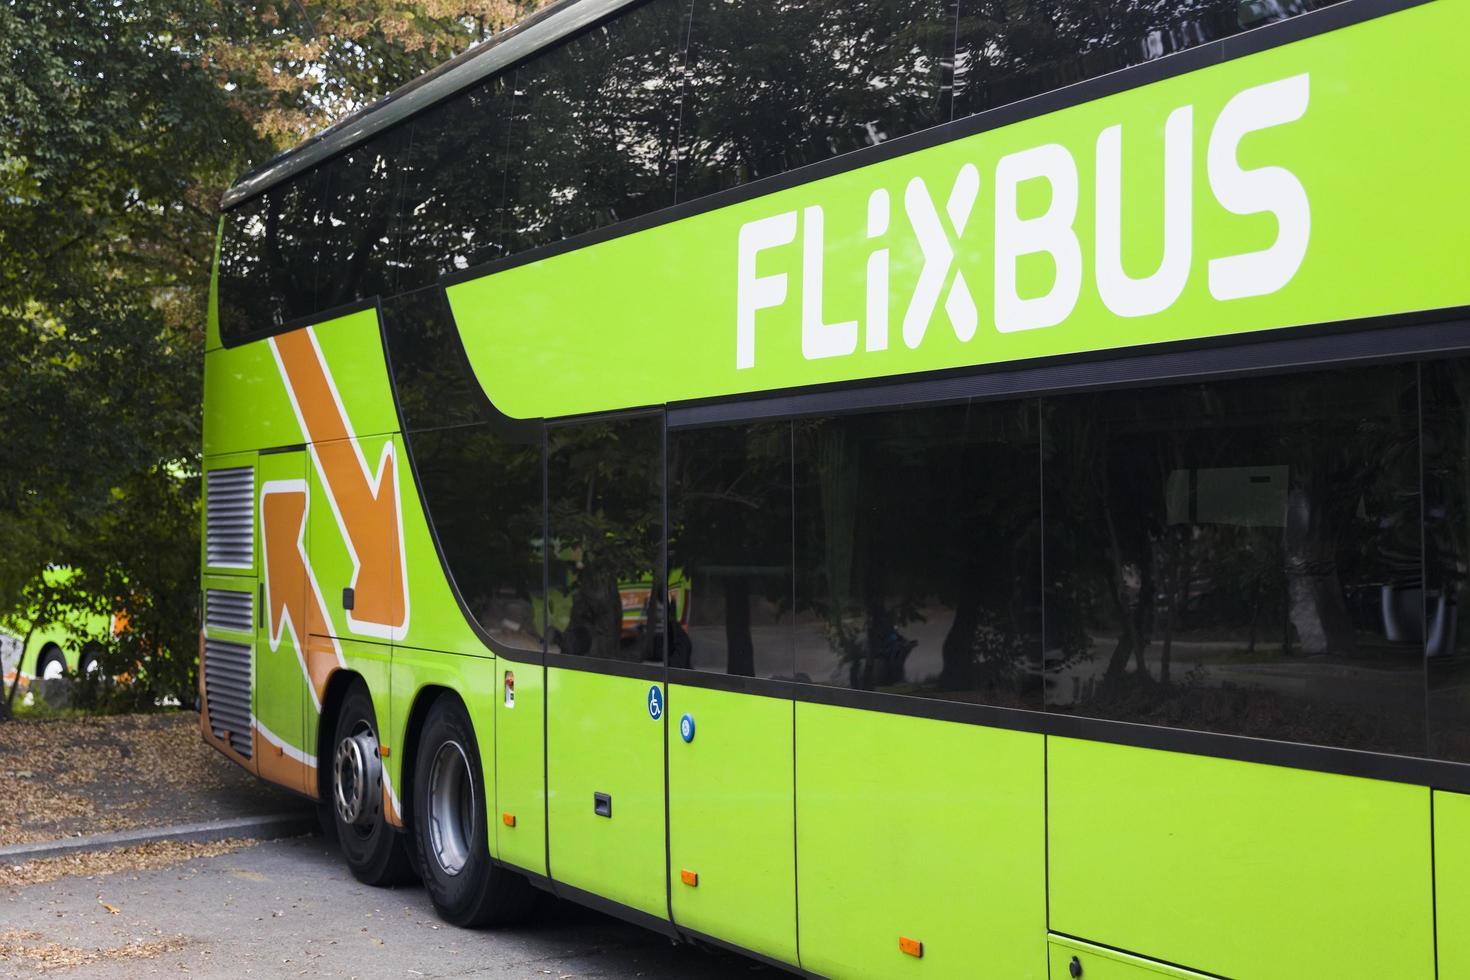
x: 731, y: 723
x: 605, y: 692
x: 281, y: 685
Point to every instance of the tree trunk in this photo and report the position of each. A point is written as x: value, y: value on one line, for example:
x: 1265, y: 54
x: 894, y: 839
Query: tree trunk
x: 958, y: 651
x: 739, y: 646
x: 1314, y: 594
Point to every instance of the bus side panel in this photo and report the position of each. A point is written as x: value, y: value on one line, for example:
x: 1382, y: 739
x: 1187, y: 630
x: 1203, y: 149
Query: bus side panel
x: 1452, y: 882
x: 519, y: 821
x: 472, y: 678
x: 731, y: 818
x: 921, y: 830
x: 601, y: 738
x: 246, y: 406
x: 1237, y: 868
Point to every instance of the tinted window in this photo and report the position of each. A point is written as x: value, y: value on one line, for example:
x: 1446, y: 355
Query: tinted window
x: 245, y: 305
x: 594, y: 128
x: 362, y: 187
x: 773, y: 86
x: 451, y: 216
x: 1010, y: 49
x: 1446, y: 387
x: 1240, y: 557
x: 482, y: 489
x: 605, y: 503
x: 432, y: 377
x: 918, y: 553
x: 730, y: 549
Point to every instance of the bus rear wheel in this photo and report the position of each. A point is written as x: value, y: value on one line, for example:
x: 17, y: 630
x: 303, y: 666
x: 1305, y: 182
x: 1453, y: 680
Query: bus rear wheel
x: 374, y: 851
x: 450, y: 831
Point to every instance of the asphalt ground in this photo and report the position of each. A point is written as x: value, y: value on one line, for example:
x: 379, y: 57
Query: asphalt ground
x: 290, y: 908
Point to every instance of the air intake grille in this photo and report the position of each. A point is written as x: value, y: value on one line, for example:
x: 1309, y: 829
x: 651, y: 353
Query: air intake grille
x: 229, y: 518
x: 227, y: 691
x: 226, y: 610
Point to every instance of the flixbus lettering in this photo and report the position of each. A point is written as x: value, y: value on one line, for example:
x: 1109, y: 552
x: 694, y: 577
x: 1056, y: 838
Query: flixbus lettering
x: 1052, y: 234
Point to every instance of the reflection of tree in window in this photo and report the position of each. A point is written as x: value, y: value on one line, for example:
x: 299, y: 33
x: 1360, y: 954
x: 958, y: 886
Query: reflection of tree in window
x: 730, y: 536
x: 604, y: 484
x: 918, y: 552
x: 1227, y: 556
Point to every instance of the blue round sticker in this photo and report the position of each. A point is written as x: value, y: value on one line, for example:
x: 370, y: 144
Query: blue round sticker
x: 686, y: 728
x: 655, y: 702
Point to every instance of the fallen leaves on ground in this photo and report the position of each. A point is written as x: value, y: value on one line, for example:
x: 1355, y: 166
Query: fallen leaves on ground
x: 27, y: 947
x: 143, y: 857
x: 67, y: 776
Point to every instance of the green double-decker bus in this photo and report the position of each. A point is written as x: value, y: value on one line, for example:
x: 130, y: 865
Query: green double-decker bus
x: 914, y: 487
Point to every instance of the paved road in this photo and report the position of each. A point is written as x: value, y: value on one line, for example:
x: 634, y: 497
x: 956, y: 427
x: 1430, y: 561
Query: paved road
x: 289, y: 908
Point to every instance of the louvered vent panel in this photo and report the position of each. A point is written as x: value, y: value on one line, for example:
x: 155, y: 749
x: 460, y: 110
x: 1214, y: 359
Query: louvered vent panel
x: 229, y: 531
x: 227, y: 691
x: 226, y: 610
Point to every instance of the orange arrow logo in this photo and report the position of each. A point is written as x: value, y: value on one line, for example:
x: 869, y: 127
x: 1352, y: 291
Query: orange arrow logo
x: 365, y: 504
x: 292, y: 600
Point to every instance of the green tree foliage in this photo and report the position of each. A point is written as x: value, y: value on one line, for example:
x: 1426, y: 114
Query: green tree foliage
x: 121, y: 124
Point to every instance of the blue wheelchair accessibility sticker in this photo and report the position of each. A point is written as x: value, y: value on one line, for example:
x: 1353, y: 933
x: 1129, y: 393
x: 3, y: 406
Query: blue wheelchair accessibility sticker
x: 655, y: 702
x: 686, y: 728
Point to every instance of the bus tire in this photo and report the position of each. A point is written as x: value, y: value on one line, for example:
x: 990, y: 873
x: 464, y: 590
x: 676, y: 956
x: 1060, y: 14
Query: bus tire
x: 450, y: 832
x: 89, y: 660
x: 374, y: 851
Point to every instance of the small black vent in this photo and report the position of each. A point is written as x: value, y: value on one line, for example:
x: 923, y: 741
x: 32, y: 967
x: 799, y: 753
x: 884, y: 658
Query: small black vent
x: 227, y: 681
x: 229, y: 519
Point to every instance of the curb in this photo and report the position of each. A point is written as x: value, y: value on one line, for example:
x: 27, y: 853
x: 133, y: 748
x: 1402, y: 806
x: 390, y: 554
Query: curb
x: 269, y: 827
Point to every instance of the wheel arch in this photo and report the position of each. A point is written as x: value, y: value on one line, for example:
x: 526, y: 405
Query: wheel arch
x: 423, y: 700
x: 338, y: 684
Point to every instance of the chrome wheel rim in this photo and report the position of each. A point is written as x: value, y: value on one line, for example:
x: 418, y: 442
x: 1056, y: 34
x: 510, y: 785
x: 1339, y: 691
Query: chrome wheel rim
x: 357, y: 778
x: 54, y: 670
x: 451, y: 808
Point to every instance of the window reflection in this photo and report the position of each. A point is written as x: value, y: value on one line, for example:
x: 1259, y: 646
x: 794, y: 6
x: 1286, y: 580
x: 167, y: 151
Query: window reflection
x: 730, y: 548
x: 608, y: 596
x: 1240, y: 557
x: 452, y: 211
x: 917, y: 553
x: 774, y: 86
x: 1009, y: 50
x: 1446, y: 387
x: 594, y: 128
x: 362, y: 187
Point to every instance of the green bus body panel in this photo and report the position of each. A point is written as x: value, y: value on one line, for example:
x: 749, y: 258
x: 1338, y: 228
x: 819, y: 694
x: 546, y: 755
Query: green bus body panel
x: 284, y: 703
x: 1379, y: 160
x: 732, y: 819
x: 246, y: 407
x: 470, y: 678
x: 1236, y: 868
x: 929, y: 830
x: 1099, y: 963
x: 520, y: 766
x: 1452, y: 882
x: 600, y: 739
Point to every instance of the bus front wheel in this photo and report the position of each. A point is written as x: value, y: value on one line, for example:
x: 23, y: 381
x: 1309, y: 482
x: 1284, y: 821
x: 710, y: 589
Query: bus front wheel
x: 450, y: 826
x: 374, y: 852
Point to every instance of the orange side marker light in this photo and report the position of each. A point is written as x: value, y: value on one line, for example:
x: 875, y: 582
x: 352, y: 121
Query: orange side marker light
x: 509, y: 819
x: 910, y: 946
x: 383, y: 751
x: 689, y: 878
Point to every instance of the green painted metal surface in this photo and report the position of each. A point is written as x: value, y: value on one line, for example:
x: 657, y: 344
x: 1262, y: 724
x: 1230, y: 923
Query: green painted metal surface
x: 1452, y: 883
x: 284, y: 703
x: 928, y: 830
x: 732, y: 818
x: 1344, y: 181
x: 1238, y: 869
x: 520, y: 765
x: 1098, y: 963
x: 600, y: 739
x: 245, y: 404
